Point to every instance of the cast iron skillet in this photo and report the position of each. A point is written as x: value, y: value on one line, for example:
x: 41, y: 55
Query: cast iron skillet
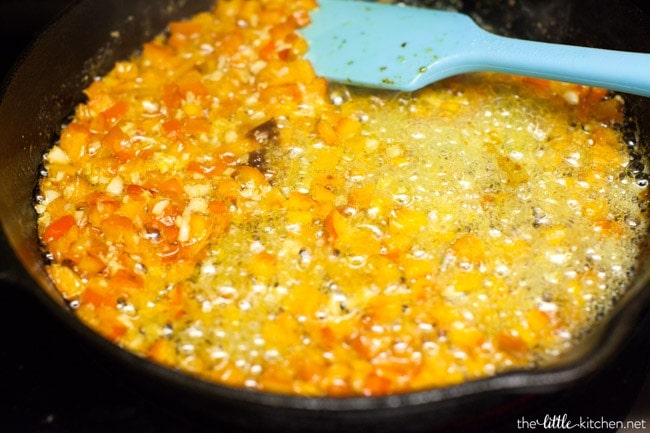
x: 85, y: 42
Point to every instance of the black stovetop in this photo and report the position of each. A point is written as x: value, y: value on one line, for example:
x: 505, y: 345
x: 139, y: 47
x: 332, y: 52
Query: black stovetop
x: 51, y: 383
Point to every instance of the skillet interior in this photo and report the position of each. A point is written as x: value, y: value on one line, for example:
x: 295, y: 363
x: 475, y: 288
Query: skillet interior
x: 48, y: 84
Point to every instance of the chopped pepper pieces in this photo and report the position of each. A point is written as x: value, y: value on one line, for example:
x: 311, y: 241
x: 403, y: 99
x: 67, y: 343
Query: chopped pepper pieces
x: 217, y: 207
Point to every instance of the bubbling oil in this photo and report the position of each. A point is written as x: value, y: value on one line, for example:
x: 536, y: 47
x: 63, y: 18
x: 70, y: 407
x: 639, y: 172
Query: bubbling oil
x: 480, y: 161
x: 224, y: 213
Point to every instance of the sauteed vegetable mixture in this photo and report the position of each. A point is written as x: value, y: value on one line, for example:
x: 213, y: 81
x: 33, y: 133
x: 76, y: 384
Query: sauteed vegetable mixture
x: 217, y: 207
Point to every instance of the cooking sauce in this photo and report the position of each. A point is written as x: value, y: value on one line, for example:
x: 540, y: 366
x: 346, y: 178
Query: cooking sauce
x: 217, y: 207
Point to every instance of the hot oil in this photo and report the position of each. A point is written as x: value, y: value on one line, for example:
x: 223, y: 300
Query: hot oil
x: 248, y: 225
x: 480, y: 158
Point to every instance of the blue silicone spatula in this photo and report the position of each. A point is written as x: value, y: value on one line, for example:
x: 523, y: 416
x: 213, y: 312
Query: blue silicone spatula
x: 405, y: 48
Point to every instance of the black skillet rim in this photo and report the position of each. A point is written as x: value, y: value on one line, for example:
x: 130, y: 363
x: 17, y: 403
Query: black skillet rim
x: 608, y: 336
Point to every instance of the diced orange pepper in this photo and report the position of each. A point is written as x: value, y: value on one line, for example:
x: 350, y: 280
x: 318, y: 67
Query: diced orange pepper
x: 263, y: 266
x: 99, y: 101
x: 74, y: 141
x: 163, y: 351
x: 136, y: 192
x: 384, y: 309
x: 416, y: 267
x: 230, y: 43
x: 347, y: 127
x: 197, y: 126
x: 608, y: 227
x: 90, y: 265
x: 191, y: 82
x: 229, y: 189
x: 169, y: 252
x: 68, y: 282
x: 107, y: 321
x: 217, y: 208
x: 595, y: 209
x: 58, y: 228
x: 468, y: 340
x: 250, y: 176
x: 116, y: 139
x: 127, y: 281
x: 157, y: 54
x: 171, y: 188
x: 539, y: 321
x: 134, y: 210
x: 327, y: 133
x: 555, y: 235
x: 282, y: 93
x: 335, y: 224
x: 511, y: 344
x: 408, y: 222
x: 301, y: 71
x: 117, y: 227
x: 112, y: 115
x: 270, y: 16
x: 227, y: 9
x: 98, y: 293
x: 172, y: 127
x: 300, y: 201
x: 469, y: 247
x: 376, y: 385
x: 606, y: 149
x: 200, y: 227
x: 249, y: 10
x: 268, y: 51
x: 281, y: 30
x: 188, y: 29
x: 328, y: 338
x: 172, y: 97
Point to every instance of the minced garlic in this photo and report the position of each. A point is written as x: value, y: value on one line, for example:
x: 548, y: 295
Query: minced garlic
x: 218, y: 208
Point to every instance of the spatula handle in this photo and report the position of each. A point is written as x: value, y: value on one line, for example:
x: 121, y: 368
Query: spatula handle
x: 622, y: 71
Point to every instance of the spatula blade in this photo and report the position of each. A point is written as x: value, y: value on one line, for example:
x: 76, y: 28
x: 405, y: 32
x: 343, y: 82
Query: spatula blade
x: 387, y: 46
x: 380, y: 45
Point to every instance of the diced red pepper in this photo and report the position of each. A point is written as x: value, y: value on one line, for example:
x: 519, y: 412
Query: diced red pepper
x: 59, y: 228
